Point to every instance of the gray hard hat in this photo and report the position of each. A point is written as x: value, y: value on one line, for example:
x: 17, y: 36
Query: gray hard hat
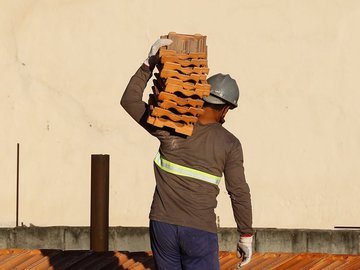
x: 224, y: 89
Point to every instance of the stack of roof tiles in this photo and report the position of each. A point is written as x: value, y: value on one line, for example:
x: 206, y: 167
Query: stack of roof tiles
x: 180, y: 84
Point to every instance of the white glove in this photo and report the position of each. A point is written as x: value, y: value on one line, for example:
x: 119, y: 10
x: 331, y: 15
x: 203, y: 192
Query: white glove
x: 244, y: 250
x: 155, y: 48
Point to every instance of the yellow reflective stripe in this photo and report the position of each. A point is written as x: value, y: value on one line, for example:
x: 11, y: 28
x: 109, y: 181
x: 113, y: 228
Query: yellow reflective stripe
x: 185, y: 171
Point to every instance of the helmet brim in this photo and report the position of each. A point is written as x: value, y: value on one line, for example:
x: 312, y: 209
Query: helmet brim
x: 214, y: 100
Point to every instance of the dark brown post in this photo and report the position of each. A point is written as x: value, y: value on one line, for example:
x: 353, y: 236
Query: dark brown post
x: 99, y: 217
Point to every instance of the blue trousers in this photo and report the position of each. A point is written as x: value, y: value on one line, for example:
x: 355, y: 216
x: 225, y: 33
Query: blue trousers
x: 182, y: 248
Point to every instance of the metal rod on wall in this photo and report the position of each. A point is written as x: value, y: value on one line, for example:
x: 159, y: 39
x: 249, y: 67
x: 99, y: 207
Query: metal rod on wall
x: 99, y: 216
x: 17, y: 184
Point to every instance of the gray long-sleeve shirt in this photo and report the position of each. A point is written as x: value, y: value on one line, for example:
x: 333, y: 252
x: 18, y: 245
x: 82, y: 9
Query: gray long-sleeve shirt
x: 212, y: 149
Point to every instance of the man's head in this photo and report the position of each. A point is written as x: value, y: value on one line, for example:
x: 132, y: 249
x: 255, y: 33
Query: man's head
x: 224, y: 95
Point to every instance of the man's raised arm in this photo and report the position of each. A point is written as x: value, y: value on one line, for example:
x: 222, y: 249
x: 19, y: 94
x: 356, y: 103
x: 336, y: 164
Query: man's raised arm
x: 131, y: 100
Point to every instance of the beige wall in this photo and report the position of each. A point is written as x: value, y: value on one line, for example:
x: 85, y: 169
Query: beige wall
x: 65, y: 63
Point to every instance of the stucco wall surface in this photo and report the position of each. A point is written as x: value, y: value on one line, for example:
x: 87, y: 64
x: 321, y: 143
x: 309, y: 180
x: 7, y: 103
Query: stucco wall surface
x: 64, y: 65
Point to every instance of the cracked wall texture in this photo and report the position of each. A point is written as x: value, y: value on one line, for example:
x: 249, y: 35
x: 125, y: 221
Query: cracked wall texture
x: 64, y: 65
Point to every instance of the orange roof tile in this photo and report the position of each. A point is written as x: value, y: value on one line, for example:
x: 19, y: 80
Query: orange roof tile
x: 71, y: 260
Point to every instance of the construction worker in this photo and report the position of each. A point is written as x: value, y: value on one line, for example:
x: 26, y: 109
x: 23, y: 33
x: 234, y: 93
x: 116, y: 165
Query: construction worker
x: 188, y: 170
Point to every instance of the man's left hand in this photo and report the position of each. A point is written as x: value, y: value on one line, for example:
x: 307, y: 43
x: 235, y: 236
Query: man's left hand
x: 153, y: 58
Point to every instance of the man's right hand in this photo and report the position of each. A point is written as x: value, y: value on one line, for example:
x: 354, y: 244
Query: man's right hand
x: 153, y: 58
x: 244, y: 250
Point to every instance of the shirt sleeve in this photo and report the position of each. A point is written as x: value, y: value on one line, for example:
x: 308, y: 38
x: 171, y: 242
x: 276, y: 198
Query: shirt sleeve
x: 238, y: 189
x: 132, y: 101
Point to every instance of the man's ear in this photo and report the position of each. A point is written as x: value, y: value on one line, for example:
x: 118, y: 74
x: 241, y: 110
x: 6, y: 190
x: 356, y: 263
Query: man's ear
x: 223, y: 114
x: 225, y: 110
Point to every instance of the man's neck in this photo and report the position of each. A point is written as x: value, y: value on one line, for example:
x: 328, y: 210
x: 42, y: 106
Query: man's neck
x: 209, y: 116
x: 206, y: 121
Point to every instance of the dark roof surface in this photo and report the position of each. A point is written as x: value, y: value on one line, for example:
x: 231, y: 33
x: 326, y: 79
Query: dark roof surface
x: 112, y: 260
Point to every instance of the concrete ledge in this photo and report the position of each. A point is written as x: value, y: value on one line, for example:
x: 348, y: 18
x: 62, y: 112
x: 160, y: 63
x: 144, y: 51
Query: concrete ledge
x: 137, y: 239
x: 77, y: 238
x: 131, y: 238
x: 322, y: 241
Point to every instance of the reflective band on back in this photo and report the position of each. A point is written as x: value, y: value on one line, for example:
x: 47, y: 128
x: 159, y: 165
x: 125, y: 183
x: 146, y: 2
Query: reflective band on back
x: 185, y: 171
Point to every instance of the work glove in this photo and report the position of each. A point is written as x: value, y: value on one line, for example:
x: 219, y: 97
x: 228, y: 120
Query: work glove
x: 244, y: 250
x: 153, y: 57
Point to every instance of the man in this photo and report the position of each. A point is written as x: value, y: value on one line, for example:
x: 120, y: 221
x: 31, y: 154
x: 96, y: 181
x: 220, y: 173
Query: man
x: 187, y: 171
